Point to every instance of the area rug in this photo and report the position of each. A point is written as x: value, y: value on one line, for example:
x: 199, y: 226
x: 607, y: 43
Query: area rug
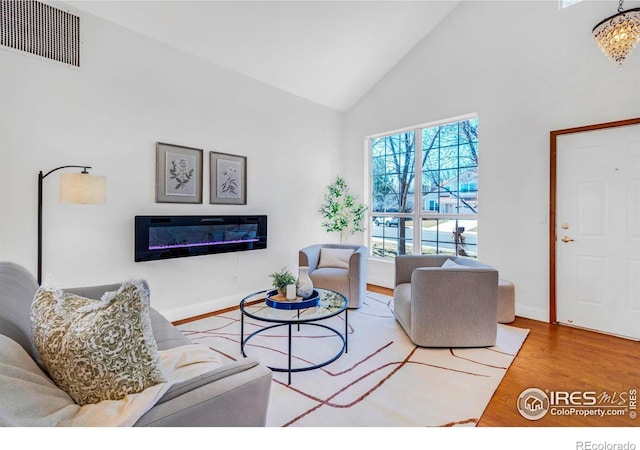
x: 383, y: 380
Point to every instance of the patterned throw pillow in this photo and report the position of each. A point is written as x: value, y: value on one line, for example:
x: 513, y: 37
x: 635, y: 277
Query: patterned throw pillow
x: 97, y: 349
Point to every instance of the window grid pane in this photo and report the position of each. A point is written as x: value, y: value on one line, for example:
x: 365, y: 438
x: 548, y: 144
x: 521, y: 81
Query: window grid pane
x: 449, y: 237
x: 393, y: 167
x: 391, y: 236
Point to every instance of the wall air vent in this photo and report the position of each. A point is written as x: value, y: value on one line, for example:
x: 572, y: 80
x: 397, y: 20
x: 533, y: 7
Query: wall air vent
x: 36, y: 28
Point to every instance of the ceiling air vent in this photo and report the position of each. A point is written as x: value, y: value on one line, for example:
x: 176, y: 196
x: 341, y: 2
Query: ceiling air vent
x: 36, y: 28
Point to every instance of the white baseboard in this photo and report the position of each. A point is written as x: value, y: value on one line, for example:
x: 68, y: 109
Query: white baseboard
x: 379, y: 282
x: 530, y: 313
x: 208, y: 306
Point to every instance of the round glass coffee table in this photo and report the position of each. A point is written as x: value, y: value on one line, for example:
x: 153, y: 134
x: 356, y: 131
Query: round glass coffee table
x: 256, y: 307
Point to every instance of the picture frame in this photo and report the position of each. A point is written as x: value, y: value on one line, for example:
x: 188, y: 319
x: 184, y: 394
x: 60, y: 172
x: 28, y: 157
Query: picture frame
x: 178, y: 173
x: 228, y: 179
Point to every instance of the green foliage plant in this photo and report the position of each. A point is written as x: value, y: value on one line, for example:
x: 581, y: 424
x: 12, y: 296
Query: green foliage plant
x: 281, y: 279
x: 341, y: 211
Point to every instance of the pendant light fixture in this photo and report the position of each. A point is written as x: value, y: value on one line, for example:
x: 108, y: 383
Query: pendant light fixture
x: 618, y: 35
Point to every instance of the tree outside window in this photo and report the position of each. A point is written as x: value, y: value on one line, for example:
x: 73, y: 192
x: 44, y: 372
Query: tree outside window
x: 445, y: 166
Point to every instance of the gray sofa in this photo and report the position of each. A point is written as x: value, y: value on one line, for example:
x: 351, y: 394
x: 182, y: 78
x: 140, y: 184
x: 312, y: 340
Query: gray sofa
x: 446, y: 307
x: 236, y: 394
x: 351, y: 282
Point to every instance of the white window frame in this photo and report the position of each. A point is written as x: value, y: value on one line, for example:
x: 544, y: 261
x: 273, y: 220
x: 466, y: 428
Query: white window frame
x: 417, y: 214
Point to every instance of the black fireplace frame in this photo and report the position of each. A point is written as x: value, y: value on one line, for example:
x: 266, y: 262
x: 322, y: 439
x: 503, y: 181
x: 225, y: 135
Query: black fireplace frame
x: 210, y: 235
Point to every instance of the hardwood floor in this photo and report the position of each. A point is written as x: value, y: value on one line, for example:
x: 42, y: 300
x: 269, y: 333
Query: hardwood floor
x: 559, y: 358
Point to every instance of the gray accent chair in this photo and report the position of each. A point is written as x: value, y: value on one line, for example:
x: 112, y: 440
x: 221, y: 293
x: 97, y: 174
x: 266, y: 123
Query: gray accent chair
x: 236, y: 394
x: 351, y: 282
x: 446, y: 307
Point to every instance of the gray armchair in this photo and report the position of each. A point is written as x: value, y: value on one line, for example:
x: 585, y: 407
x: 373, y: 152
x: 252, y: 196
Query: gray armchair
x: 446, y: 307
x: 350, y: 281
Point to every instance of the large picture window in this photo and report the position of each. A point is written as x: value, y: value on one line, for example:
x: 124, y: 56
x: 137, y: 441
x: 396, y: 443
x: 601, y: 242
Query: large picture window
x: 427, y: 175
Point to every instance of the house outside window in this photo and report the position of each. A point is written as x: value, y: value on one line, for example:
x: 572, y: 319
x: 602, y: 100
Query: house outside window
x: 425, y: 175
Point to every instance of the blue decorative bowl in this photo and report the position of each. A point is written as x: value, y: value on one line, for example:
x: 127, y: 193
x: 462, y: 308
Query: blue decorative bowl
x: 278, y: 301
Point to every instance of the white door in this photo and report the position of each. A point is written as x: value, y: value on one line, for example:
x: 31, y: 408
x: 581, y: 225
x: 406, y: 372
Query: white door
x: 598, y: 230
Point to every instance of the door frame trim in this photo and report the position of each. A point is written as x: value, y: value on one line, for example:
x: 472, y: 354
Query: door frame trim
x: 553, y: 152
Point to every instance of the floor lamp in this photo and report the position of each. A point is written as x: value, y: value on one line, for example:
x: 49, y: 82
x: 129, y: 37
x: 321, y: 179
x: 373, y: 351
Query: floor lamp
x: 74, y: 188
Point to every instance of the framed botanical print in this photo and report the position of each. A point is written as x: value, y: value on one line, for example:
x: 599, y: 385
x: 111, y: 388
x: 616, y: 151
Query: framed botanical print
x: 178, y: 174
x: 228, y: 175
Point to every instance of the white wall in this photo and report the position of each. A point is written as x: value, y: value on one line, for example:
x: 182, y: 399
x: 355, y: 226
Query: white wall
x: 130, y: 93
x: 526, y: 68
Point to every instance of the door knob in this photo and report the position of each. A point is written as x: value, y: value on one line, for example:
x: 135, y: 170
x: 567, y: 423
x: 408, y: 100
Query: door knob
x: 567, y: 239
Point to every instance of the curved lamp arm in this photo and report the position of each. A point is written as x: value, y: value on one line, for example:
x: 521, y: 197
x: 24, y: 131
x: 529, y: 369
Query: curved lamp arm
x: 41, y: 177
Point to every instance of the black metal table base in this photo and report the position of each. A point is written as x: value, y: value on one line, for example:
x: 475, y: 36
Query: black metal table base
x: 289, y: 369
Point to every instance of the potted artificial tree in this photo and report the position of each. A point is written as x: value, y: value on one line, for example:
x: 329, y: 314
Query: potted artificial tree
x: 341, y: 211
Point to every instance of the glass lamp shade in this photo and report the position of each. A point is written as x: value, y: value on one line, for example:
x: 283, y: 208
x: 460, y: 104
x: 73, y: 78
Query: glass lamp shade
x: 618, y: 35
x: 82, y: 188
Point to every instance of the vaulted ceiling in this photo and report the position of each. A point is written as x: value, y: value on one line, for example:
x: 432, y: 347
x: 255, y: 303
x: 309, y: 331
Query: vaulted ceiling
x: 329, y: 52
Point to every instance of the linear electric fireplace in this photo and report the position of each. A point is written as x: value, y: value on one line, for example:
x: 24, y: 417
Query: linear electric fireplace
x: 164, y: 237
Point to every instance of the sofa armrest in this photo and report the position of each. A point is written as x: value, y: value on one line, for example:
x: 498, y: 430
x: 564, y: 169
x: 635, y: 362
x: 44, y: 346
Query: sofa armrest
x: 310, y: 256
x: 236, y: 394
x: 14, y: 332
x: 358, y: 274
x: 357, y: 261
x: 406, y: 264
x: 224, y: 371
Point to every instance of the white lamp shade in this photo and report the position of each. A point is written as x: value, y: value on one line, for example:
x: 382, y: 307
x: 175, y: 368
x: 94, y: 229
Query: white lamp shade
x: 82, y: 188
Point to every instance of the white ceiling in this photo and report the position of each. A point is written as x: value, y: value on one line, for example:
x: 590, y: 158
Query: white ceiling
x: 329, y: 52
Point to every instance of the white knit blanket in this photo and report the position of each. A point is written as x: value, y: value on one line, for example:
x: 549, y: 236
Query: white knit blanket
x: 28, y: 398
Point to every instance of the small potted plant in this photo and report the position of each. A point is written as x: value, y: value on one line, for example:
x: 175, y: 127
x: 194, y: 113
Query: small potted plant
x: 282, y: 279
